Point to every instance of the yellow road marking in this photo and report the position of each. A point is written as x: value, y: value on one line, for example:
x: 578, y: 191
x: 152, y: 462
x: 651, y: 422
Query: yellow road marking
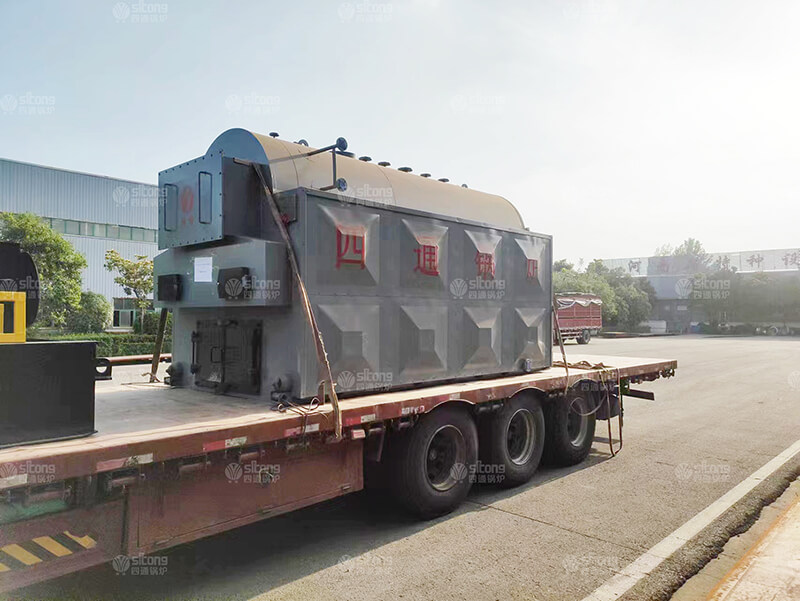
x: 55, y: 547
x: 21, y: 554
x: 86, y: 542
x: 4, y: 568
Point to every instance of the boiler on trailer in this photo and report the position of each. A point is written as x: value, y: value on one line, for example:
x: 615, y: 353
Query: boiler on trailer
x: 411, y: 280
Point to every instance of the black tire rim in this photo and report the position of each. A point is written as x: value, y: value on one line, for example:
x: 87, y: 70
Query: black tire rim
x: 445, y: 458
x: 520, y: 437
x: 578, y: 421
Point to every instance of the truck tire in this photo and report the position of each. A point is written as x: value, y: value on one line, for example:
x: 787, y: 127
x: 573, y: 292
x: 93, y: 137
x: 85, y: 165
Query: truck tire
x: 568, y: 434
x: 434, y: 462
x: 585, y: 337
x: 514, y: 439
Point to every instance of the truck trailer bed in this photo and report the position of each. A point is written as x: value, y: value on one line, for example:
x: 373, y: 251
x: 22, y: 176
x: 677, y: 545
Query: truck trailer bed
x: 169, y: 466
x: 145, y: 423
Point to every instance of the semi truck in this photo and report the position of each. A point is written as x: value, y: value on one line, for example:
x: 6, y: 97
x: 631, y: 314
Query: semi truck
x: 579, y: 316
x: 337, y: 325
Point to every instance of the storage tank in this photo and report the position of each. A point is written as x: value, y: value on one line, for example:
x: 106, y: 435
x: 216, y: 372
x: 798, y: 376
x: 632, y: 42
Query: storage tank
x: 411, y: 280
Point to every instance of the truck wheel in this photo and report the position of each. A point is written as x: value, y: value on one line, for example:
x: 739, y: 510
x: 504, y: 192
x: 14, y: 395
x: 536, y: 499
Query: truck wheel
x: 514, y: 439
x: 585, y: 337
x: 569, y: 431
x: 435, y: 462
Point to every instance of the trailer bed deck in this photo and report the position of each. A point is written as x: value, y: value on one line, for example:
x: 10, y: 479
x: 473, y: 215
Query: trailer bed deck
x: 145, y: 423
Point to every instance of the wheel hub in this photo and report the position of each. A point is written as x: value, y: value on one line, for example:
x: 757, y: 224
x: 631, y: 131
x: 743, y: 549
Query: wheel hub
x: 520, y: 437
x: 447, y: 452
x: 578, y: 421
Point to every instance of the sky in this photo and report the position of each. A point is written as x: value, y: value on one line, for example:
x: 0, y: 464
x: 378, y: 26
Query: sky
x: 615, y: 126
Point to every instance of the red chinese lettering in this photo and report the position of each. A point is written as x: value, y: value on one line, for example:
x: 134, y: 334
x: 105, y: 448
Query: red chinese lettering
x: 485, y: 263
x: 427, y: 259
x: 533, y: 269
x: 351, y: 247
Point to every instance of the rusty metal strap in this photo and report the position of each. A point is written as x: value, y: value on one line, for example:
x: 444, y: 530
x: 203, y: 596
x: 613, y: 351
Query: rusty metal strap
x: 590, y: 366
x: 322, y: 356
x: 582, y: 365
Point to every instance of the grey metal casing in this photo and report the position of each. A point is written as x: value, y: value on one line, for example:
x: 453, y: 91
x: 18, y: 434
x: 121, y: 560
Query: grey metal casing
x: 388, y: 319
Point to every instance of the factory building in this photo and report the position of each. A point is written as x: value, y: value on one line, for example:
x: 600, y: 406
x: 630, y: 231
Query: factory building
x: 680, y: 294
x: 95, y: 213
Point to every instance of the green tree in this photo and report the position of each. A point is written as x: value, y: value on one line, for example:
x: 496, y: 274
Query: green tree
x: 634, y: 306
x: 135, y: 277
x: 59, y: 265
x: 569, y: 280
x: 697, y: 259
x: 627, y: 301
x: 563, y: 264
x: 93, y: 316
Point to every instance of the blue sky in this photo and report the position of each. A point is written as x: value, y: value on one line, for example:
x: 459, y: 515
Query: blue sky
x: 615, y: 126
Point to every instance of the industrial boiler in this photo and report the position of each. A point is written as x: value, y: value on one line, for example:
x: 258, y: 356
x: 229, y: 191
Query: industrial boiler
x: 410, y: 281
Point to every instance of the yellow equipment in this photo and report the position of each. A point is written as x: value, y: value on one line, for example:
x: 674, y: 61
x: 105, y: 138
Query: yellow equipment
x: 12, y: 316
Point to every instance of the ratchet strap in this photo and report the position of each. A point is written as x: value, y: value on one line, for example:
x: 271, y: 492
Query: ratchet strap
x: 583, y: 364
x: 322, y: 356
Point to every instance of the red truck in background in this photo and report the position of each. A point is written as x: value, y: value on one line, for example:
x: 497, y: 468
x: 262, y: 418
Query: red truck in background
x: 580, y: 315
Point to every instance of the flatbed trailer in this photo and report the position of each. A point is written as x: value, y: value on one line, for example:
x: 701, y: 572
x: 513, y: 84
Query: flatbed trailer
x: 168, y: 466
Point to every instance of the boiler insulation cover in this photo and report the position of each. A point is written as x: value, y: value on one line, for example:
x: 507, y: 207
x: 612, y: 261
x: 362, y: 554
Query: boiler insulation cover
x: 367, y: 181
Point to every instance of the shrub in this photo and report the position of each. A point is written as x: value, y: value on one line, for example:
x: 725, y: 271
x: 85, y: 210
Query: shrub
x: 92, y: 316
x: 116, y: 345
x: 150, y: 323
x: 58, y: 263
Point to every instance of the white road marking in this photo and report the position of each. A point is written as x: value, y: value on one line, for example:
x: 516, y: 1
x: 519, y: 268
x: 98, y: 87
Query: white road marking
x: 618, y: 585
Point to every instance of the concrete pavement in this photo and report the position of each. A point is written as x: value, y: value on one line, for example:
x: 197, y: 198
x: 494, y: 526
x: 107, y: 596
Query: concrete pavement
x: 762, y: 563
x: 771, y: 569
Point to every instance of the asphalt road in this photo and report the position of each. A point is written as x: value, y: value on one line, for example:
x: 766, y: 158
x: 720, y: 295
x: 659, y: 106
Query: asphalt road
x: 733, y: 406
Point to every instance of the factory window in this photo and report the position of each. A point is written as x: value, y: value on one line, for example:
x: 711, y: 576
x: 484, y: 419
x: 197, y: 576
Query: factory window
x: 124, y: 312
x: 101, y: 230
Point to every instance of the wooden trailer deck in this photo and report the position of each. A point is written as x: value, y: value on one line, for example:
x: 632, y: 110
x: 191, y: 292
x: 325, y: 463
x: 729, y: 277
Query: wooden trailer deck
x: 142, y: 423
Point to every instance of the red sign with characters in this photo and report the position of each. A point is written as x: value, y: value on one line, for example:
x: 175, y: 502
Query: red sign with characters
x: 427, y: 259
x: 533, y: 269
x: 351, y: 246
x: 485, y: 263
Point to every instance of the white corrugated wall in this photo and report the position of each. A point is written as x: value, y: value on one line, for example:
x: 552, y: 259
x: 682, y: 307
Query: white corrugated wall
x: 55, y: 193
x: 70, y: 195
x: 95, y: 277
